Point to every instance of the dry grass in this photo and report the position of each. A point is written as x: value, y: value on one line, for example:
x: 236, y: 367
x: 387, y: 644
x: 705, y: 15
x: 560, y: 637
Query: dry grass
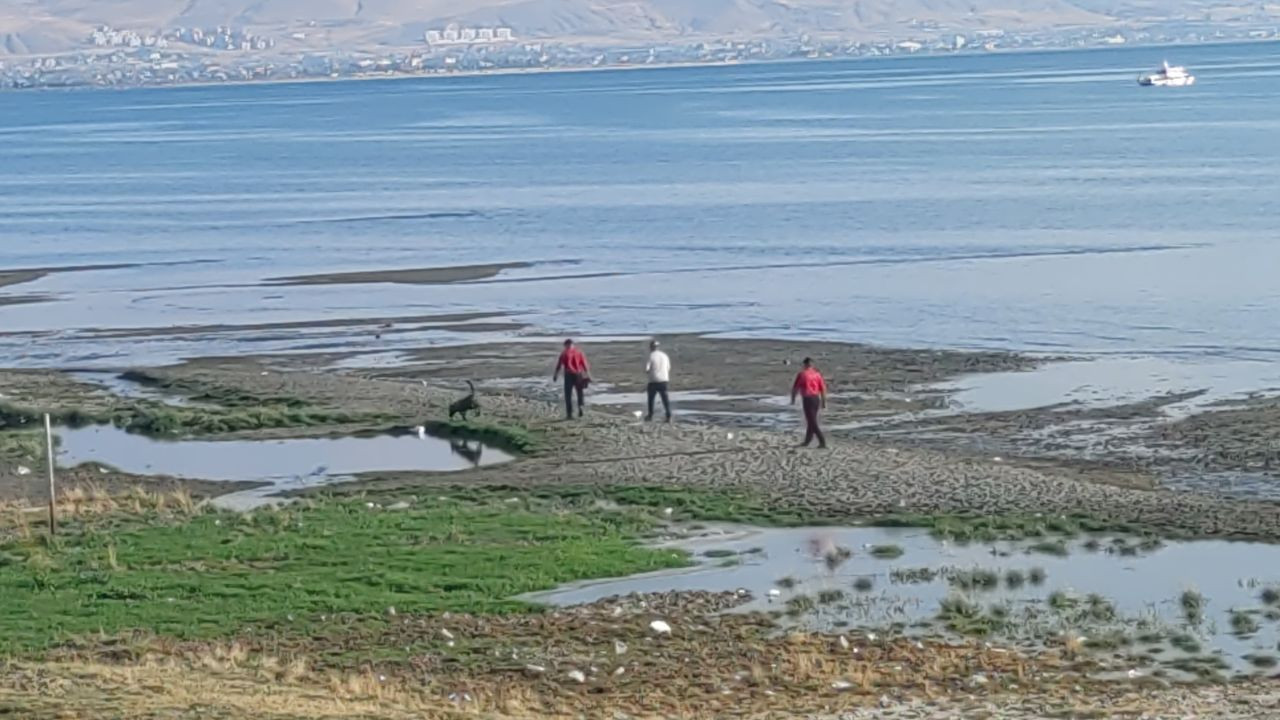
x: 742, y: 668
x: 20, y: 519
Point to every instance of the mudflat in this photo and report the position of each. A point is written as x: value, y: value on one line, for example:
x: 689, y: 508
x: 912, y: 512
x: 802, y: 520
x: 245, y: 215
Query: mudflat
x: 452, y: 321
x: 863, y: 475
x: 19, y: 276
x: 415, y: 276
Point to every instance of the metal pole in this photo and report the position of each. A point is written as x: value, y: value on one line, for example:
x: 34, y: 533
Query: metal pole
x: 48, y: 438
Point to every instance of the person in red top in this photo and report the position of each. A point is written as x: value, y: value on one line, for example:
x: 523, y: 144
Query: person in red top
x: 577, y: 374
x: 812, y: 390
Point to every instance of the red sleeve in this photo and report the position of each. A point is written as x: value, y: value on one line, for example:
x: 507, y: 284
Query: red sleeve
x: 560, y: 362
x: 795, y: 386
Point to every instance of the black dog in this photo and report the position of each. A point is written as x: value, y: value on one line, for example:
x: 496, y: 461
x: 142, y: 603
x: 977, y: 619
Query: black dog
x: 465, y: 405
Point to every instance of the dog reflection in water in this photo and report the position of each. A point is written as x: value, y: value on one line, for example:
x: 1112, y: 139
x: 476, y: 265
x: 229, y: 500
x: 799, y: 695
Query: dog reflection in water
x: 463, y: 448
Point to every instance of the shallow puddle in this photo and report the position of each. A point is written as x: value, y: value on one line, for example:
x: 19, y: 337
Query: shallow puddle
x: 1105, y: 382
x: 302, y: 461
x: 1124, y: 602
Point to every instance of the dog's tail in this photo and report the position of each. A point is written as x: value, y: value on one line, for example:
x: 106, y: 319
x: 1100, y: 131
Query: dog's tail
x: 472, y: 386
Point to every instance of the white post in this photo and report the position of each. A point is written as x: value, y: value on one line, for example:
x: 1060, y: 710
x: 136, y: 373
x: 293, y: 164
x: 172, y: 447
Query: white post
x: 48, y: 438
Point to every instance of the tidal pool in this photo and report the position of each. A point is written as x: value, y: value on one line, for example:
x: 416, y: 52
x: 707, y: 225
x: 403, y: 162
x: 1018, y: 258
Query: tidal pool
x: 1123, y: 598
x: 270, y: 460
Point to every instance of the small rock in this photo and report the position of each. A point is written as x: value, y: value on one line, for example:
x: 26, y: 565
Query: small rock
x: 729, y: 436
x: 978, y: 680
x: 774, y: 592
x: 619, y: 647
x: 841, y: 685
x: 444, y: 633
x: 577, y: 676
x: 844, y: 642
x: 391, y: 611
x: 660, y: 627
x: 668, y: 511
x: 402, y: 505
x: 24, y: 470
x: 534, y: 669
x: 621, y: 669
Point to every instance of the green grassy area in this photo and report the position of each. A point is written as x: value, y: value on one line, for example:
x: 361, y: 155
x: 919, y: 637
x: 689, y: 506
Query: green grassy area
x: 22, y: 446
x: 201, y: 392
x: 218, y: 574
x: 686, y: 504
x: 746, y: 508
x: 165, y: 420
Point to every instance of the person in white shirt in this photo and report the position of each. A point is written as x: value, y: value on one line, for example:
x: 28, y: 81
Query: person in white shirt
x: 659, y: 369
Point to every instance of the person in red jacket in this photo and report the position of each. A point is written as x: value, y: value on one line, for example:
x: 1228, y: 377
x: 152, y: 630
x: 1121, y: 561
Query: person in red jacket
x: 577, y: 374
x: 812, y: 390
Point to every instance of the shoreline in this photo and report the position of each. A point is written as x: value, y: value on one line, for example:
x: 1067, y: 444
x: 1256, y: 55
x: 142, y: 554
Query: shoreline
x: 656, y: 66
x: 888, y: 405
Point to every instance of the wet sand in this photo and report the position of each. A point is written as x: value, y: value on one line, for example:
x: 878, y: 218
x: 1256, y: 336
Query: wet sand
x: 23, y: 299
x: 19, y: 276
x: 869, y: 380
x: 920, y: 464
x: 856, y: 479
x: 455, y: 322
x: 416, y: 276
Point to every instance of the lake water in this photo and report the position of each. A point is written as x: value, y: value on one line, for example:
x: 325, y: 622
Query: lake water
x: 1038, y: 202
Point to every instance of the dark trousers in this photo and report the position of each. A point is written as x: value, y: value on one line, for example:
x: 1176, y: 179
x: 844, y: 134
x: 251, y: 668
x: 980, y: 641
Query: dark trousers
x: 572, y: 384
x: 659, y: 388
x: 811, y: 430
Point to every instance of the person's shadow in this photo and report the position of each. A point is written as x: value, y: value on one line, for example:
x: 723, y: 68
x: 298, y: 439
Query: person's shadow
x: 462, y: 448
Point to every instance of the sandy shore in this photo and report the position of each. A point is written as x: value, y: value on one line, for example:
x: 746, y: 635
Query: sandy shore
x: 19, y: 276
x: 860, y: 477
x: 455, y: 322
x: 917, y: 468
x: 415, y: 276
x: 857, y: 478
x: 23, y: 299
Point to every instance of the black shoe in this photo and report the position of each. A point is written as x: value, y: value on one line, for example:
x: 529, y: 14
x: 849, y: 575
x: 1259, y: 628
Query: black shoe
x: 648, y: 418
x: 668, y: 418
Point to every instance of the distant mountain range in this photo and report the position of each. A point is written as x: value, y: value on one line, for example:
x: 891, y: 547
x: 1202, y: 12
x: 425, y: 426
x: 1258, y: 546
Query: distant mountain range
x: 51, y: 26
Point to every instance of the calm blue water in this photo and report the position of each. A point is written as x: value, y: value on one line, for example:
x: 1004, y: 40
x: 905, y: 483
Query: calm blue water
x: 1038, y: 202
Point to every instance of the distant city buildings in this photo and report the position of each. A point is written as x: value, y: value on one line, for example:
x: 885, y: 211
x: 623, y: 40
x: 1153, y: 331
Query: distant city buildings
x: 453, y: 34
x: 218, y: 38
x: 119, y: 58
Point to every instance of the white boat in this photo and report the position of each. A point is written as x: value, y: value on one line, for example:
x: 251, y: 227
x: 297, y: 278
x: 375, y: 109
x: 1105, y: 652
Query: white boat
x: 1168, y: 76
